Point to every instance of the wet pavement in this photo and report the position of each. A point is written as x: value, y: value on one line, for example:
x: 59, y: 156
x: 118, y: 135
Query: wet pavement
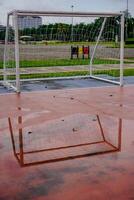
x: 56, y: 84
x: 108, y: 176
x: 105, y: 175
x: 62, y: 84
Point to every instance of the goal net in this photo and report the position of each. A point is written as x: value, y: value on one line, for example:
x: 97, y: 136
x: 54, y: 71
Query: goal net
x: 55, y: 45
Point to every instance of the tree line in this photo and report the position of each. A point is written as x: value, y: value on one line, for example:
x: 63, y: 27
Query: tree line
x: 77, y: 32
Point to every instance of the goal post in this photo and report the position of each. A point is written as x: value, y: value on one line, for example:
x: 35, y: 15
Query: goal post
x: 40, y: 46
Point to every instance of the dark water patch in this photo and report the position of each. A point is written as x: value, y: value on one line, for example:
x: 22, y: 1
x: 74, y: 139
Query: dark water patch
x: 40, y: 184
x: 1, y: 146
x: 102, y: 173
x: 68, y: 170
x: 118, y: 169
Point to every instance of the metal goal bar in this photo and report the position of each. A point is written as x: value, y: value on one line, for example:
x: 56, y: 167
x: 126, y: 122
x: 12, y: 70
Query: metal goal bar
x: 64, y: 14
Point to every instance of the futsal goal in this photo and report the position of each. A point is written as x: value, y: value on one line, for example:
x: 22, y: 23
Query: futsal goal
x: 62, y: 45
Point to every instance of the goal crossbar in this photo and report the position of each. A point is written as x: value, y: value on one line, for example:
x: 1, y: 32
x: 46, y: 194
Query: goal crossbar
x: 64, y: 14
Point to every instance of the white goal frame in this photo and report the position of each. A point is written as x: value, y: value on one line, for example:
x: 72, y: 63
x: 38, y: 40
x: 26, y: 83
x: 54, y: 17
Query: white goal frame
x: 17, y: 13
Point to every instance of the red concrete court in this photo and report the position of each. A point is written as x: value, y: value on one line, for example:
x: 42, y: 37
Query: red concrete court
x: 67, y: 144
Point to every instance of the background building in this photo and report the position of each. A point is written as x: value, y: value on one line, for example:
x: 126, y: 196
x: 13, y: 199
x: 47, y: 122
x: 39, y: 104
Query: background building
x: 29, y: 22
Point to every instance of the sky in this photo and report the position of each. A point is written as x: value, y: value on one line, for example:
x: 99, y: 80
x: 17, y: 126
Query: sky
x: 64, y: 5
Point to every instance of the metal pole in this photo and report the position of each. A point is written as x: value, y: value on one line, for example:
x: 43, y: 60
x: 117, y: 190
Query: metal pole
x: 5, y: 49
x: 122, y: 49
x: 17, y: 52
x: 72, y: 24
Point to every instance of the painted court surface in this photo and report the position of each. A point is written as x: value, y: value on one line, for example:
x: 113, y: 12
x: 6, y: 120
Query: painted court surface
x: 67, y: 144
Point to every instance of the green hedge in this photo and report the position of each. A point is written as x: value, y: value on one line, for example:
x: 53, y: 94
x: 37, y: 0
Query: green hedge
x: 130, y: 41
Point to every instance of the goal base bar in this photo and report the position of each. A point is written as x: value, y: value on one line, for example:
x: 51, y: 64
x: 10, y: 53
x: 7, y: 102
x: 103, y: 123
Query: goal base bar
x: 55, y: 78
x: 105, y: 80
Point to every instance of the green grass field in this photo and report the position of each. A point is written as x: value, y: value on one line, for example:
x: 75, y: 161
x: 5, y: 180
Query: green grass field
x: 64, y: 62
x: 58, y: 62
